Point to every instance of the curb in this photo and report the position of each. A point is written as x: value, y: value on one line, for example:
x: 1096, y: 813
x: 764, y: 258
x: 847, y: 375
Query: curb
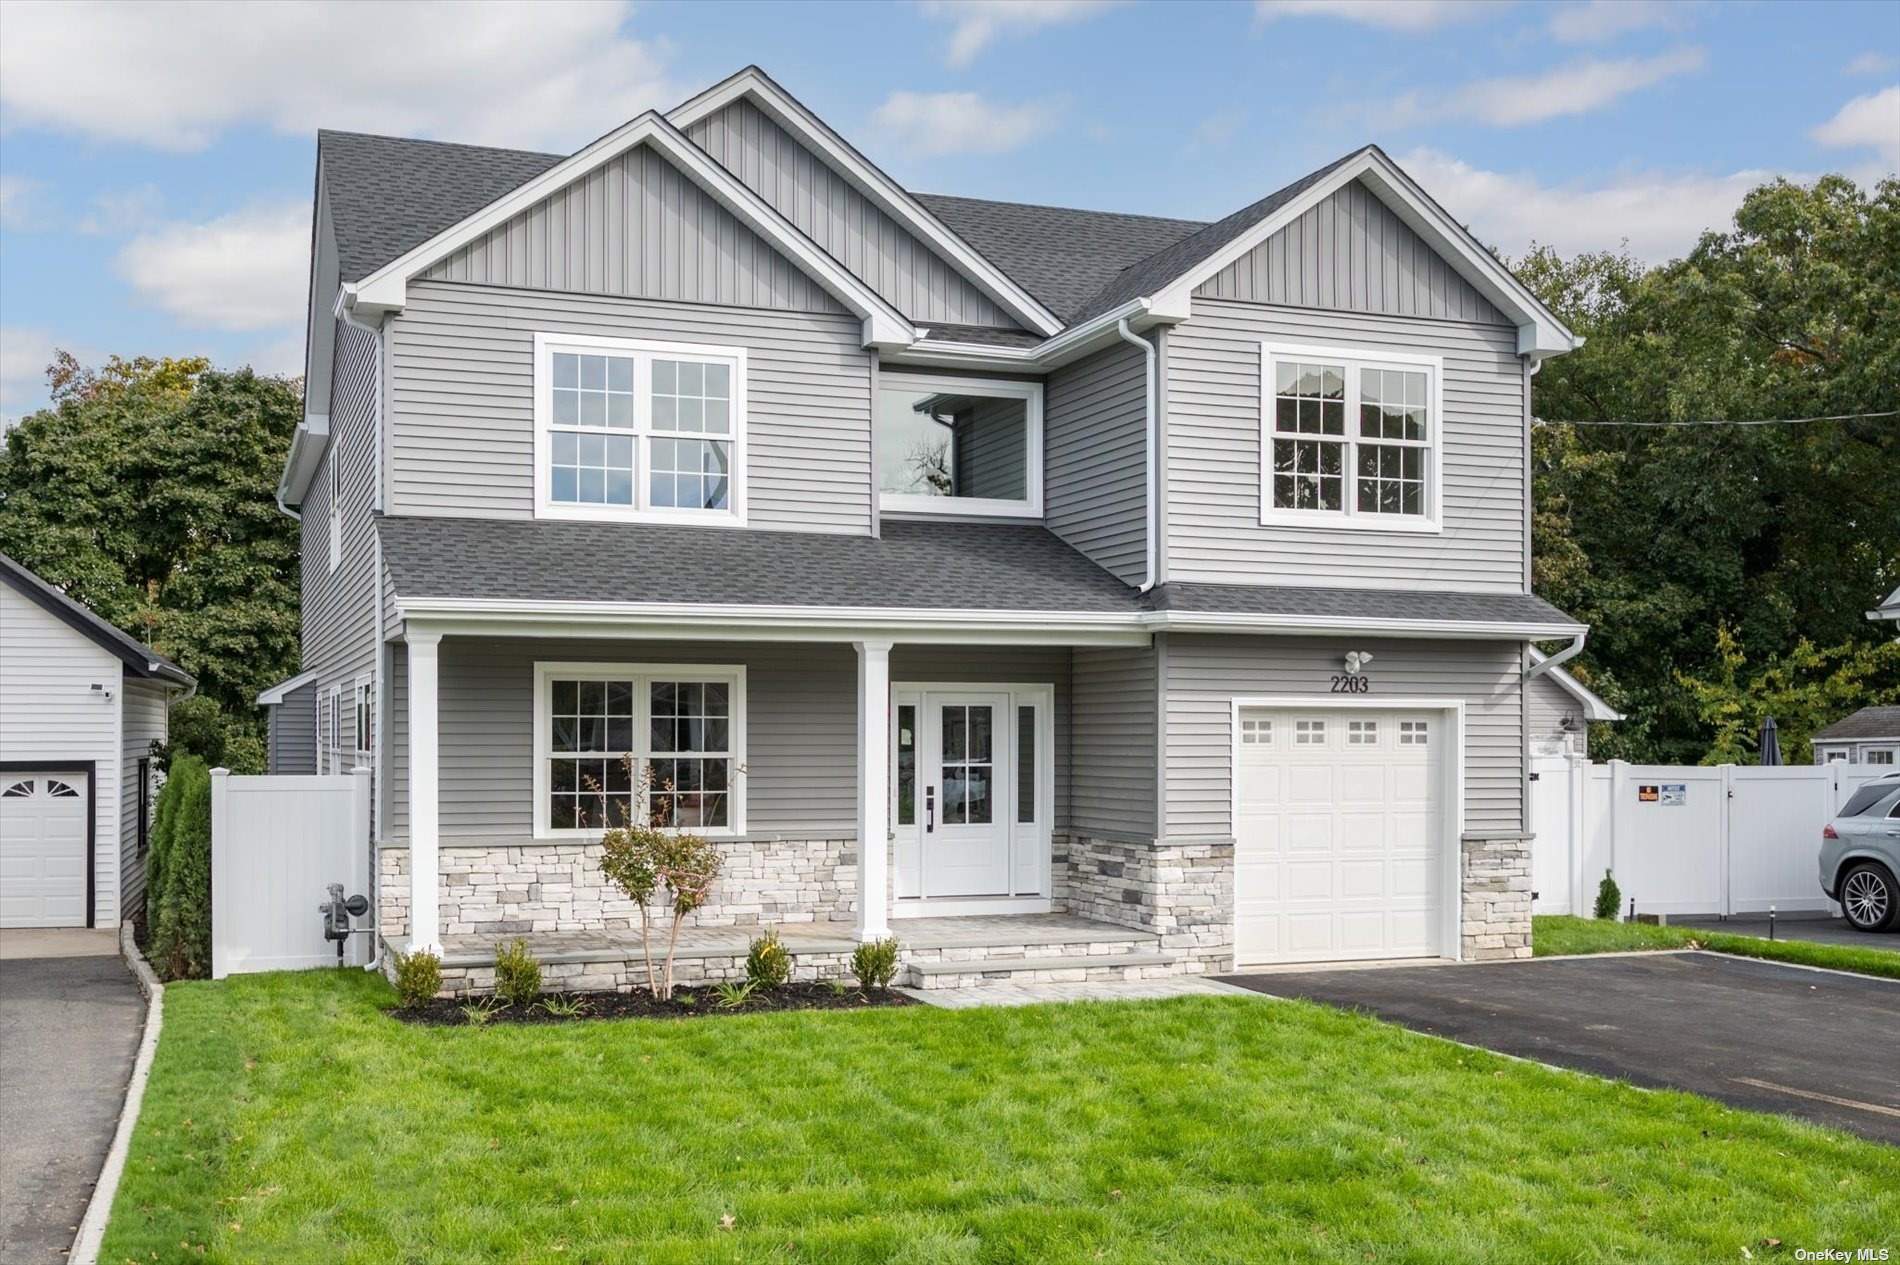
x: 92, y: 1227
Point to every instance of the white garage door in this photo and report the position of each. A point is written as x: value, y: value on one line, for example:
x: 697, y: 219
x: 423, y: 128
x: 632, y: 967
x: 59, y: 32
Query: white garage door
x: 43, y: 850
x: 1339, y: 836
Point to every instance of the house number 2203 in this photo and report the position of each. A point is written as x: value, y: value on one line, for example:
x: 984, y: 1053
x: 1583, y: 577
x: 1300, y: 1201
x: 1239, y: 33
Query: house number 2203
x: 1352, y: 685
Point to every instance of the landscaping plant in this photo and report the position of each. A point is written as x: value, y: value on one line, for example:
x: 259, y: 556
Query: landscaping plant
x: 733, y: 994
x: 517, y: 973
x: 418, y: 976
x: 643, y: 859
x: 875, y: 962
x: 181, y: 931
x: 565, y: 1005
x: 767, y: 963
x: 1609, y: 897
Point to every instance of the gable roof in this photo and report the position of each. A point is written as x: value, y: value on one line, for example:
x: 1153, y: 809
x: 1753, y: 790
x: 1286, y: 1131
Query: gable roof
x: 1868, y: 722
x: 1594, y: 708
x: 140, y: 659
x: 1889, y: 609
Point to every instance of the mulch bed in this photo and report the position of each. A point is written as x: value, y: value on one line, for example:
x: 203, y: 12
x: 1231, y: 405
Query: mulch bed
x: 445, y: 1013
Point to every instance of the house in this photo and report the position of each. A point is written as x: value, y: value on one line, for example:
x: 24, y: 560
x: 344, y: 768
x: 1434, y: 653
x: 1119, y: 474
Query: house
x: 1561, y: 710
x: 1870, y: 736
x: 81, y: 704
x: 1145, y: 591
x: 1889, y: 609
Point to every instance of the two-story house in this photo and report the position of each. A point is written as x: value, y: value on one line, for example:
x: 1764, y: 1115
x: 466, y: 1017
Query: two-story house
x: 1155, y: 591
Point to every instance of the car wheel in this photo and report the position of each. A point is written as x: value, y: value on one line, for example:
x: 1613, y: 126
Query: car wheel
x: 1868, y: 897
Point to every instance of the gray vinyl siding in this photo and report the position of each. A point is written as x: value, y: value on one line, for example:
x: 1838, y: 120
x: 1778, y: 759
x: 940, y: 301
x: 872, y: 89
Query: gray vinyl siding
x: 1112, y: 790
x: 992, y: 453
x: 142, y: 721
x: 801, y: 725
x: 1549, y: 705
x: 638, y: 227
x: 1204, y: 673
x: 1351, y: 252
x: 293, y: 733
x: 1094, y: 448
x: 845, y: 224
x: 1214, y: 533
x: 462, y: 400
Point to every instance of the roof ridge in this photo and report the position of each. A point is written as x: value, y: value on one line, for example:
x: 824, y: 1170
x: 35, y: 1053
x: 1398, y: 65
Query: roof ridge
x: 1067, y: 210
x: 430, y: 140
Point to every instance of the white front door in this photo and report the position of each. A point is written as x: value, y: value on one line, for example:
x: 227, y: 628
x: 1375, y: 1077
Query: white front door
x: 966, y: 770
x: 43, y: 850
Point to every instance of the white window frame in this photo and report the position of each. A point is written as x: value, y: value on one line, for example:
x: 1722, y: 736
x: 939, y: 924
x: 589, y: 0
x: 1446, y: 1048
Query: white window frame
x: 732, y: 675
x: 1348, y: 516
x: 643, y: 352
x: 336, y: 509
x: 362, y: 715
x: 330, y: 753
x: 970, y: 506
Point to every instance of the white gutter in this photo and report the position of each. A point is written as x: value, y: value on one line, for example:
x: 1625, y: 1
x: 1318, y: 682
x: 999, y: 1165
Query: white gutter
x: 1562, y: 657
x: 1047, y: 354
x: 1150, y: 446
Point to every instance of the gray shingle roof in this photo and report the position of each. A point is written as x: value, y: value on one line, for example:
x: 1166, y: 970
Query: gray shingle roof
x: 1061, y: 255
x: 389, y: 195
x: 984, y: 334
x: 1393, y: 604
x: 135, y: 654
x: 1868, y: 722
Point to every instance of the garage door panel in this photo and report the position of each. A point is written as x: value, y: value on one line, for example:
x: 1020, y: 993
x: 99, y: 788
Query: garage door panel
x: 44, y: 852
x: 1308, y: 880
x: 1361, y: 880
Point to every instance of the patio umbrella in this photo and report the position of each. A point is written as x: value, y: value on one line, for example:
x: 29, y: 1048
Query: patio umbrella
x: 1770, y: 742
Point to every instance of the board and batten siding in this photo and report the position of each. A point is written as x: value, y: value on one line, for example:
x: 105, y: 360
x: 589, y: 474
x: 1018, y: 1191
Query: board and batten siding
x: 1350, y: 252
x: 1205, y: 673
x: 801, y: 725
x: 1113, y: 783
x: 844, y: 223
x: 1094, y: 448
x: 636, y: 226
x: 1213, y: 531
x: 142, y: 722
x: 462, y: 400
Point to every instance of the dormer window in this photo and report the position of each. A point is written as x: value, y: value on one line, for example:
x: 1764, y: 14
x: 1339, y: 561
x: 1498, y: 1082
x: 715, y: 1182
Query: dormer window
x: 640, y: 431
x: 965, y: 446
x: 1350, y: 439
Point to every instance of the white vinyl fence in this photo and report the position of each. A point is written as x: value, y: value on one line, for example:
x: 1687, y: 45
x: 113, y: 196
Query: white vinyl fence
x: 1683, y: 839
x: 276, y: 844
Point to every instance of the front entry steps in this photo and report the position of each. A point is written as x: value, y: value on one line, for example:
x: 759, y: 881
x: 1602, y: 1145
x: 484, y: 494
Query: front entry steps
x: 946, y: 953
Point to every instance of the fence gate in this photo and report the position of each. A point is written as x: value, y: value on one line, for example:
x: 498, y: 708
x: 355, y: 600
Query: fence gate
x: 276, y: 843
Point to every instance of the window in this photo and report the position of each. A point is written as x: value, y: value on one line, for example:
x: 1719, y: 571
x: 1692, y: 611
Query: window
x: 144, y: 820
x: 1362, y: 733
x: 1025, y: 765
x: 18, y: 790
x: 959, y: 445
x: 598, y: 724
x: 1414, y: 733
x: 627, y: 429
x: 332, y: 730
x: 1880, y: 757
x: 907, y: 765
x: 60, y: 790
x: 362, y: 715
x: 1309, y: 733
x: 1350, y: 439
x: 1837, y: 757
x: 1256, y: 733
x: 336, y: 510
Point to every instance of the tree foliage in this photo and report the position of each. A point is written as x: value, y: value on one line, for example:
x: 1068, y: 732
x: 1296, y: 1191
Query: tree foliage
x: 147, y: 491
x: 180, y: 874
x: 1723, y: 555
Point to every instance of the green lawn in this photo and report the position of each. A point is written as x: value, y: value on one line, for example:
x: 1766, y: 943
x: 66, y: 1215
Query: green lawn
x: 289, y: 1120
x: 1554, y: 935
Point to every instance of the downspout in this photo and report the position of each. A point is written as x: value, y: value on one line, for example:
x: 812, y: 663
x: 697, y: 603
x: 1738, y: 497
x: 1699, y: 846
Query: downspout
x: 1562, y: 657
x: 1149, y: 448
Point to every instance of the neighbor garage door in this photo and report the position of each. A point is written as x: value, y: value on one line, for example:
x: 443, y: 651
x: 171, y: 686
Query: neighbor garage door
x: 1339, y: 835
x: 43, y: 850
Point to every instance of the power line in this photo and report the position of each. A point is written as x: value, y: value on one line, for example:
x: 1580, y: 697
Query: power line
x: 1768, y: 421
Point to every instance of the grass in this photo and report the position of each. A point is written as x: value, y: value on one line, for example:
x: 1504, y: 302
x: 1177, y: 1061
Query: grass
x: 289, y: 1120
x: 1553, y: 935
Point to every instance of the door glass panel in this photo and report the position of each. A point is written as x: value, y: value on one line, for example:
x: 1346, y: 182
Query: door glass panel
x: 1026, y: 765
x: 967, y: 772
x: 907, y: 765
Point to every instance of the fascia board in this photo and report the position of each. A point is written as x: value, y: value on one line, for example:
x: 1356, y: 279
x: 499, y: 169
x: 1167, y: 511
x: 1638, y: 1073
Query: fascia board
x: 307, y: 443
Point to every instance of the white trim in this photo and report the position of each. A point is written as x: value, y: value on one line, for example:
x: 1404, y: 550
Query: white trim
x: 874, y: 699
x: 643, y: 351
x: 883, y: 192
x: 1451, y: 916
x: 969, y: 906
x: 425, y: 799
x: 386, y: 289
x: 362, y: 715
x: 1348, y: 517
x: 305, y: 458
x: 334, y: 511
x: 1594, y: 708
x: 733, y: 674
x: 283, y: 689
x: 1031, y: 393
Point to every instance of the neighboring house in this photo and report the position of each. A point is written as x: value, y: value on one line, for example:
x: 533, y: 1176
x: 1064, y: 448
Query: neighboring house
x: 81, y: 704
x: 1041, y: 548
x: 1561, y: 711
x: 291, y: 725
x: 1889, y: 609
x: 1870, y: 736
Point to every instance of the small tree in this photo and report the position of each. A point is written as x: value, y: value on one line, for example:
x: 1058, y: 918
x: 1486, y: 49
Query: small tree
x: 181, y: 932
x: 642, y: 859
x: 1609, y: 897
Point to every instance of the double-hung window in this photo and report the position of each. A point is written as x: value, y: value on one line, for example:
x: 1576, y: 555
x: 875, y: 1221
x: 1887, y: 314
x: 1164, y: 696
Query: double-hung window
x: 598, y: 725
x: 1350, y: 439
x: 637, y: 430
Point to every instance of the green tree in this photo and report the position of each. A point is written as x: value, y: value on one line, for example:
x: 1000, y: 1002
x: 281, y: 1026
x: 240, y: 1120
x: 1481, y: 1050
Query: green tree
x: 1804, y: 690
x: 147, y: 491
x: 1779, y: 534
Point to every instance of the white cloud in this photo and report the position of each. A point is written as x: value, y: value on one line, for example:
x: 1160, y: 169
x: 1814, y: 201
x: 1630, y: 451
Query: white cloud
x: 1597, y: 20
x: 24, y: 355
x: 1519, y: 100
x: 280, y: 356
x: 1871, y: 63
x: 1659, y: 214
x: 1869, y: 122
x: 248, y: 270
x: 174, y: 76
x: 978, y: 22
x: 930, y: 123
x: 122, y: 211
x: 20, y: 208
x: 1391, y: 15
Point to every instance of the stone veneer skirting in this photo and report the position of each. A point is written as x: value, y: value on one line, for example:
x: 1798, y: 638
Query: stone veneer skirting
x: 1497, y: 898
x: 1182, y: 892
x: 508, y: 888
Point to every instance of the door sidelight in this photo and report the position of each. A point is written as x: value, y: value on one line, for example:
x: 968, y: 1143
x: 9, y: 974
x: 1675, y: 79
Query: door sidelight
x: 930, y: 809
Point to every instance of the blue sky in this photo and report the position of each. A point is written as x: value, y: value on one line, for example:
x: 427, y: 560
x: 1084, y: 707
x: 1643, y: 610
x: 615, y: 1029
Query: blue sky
x: 156, y: 161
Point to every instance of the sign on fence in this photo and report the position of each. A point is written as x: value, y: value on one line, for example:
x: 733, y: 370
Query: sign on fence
x: 276, y: 843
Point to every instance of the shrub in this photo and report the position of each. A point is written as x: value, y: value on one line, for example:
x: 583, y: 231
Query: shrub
x: 181, y: 932
x: 767, y: 964
x: 418, y: 977
x: 875, y: 962
x: 155, y: 858
x: 517, y: 973
x: 733, y: 994
x: 1609, y: 897
x: 642, y: 859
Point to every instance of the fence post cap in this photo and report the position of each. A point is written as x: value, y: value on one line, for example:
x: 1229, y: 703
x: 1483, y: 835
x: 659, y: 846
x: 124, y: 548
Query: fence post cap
x: 220, y: 773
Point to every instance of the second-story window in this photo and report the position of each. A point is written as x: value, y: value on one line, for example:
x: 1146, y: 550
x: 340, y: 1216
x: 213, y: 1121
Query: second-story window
x: 959, y: 446
x: 630, y: 429
x: 1349, y: 439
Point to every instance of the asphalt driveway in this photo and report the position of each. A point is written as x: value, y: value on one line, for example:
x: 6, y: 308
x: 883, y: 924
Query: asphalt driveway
x: 69, y: 1029
x: 1816, y: 1044
x: 1820, y: 930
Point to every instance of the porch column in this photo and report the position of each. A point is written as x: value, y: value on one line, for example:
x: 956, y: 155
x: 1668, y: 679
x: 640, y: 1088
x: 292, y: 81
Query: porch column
x: 874, y: 788
x: 425, y: 922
